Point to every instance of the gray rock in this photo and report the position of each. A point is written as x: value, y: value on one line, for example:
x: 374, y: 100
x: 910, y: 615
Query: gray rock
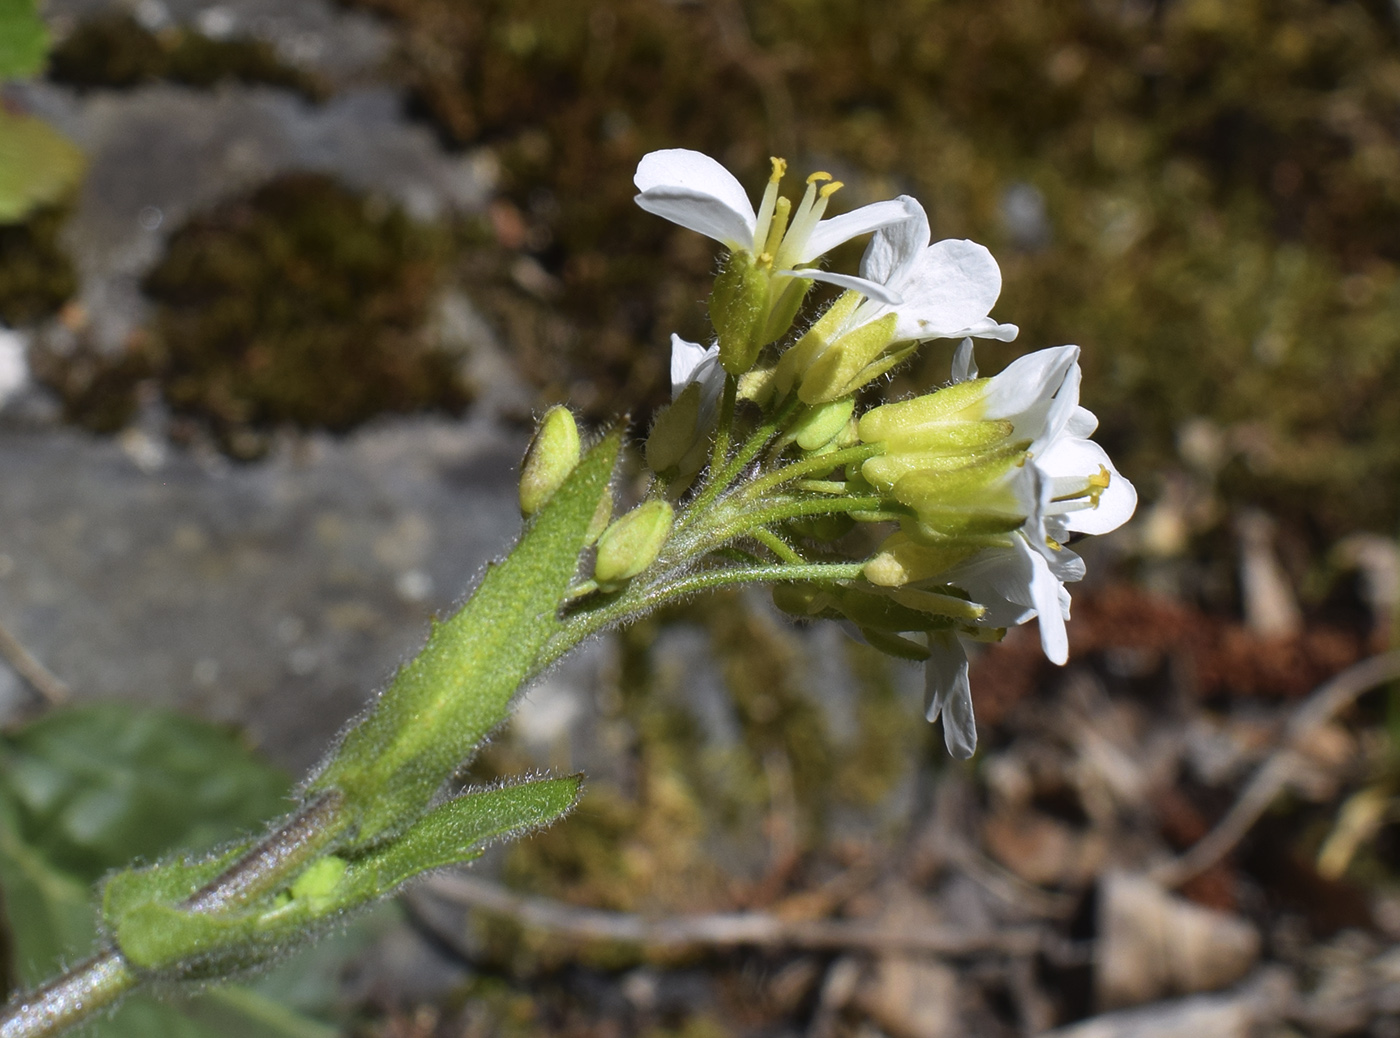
x: 279, y: 594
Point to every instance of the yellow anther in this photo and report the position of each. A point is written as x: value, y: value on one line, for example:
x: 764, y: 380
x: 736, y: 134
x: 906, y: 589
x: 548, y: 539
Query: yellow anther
x: 1101, y: 479
x: 831, y: 189
x: 765, y: 259
x: 779, y: 168
x: 1054, y: 545
x: 815, y: 177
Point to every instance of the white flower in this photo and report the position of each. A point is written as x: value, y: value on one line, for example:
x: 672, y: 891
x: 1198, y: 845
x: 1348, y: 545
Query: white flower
x: 691, y: 362
x: 937, y: 291
x: 1067, y: 485
x: 693, y: 190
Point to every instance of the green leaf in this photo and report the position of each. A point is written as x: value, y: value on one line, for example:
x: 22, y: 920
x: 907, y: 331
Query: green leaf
x: 24, y: 41
x: 154, y: 934
x: 96, y: 786
x: 101, y: 785
x: 38, y: 165
x: 442, y: 704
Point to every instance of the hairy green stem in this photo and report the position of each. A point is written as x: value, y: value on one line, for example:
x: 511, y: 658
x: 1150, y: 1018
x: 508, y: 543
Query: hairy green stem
x: 86, y: 988
x: 720, y: 480
x: 807, y: 466
x: 725, y: 425
x: 777, y: 546
x: 105, y: 978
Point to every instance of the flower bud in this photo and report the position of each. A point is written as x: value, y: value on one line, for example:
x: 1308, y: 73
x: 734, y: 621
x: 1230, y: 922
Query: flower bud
x: 739, y: 311
x: 673, y: 433
x: 633, y: 542
x: 552, y: 455
x: 802, y: 354
x: 849, y: 363
x: 821, y: 424
x: 902, y: 560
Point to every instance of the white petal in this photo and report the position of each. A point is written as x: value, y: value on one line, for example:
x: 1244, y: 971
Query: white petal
x: 697, y: 212
x: 990, y: 329
x: 1061, y: 409
x: 1067, y: 567
x: 686, y: 356
x: 1024, y: 390
x: 830, y: 233
x: 1082, y: 423
x: 869, y: 289
x: 964, y: 363
x: 998, y: 579
x: 947, y: 691
x: 949, y: 288
x: 695, y: 191
x: 1050, y: 607
x: 1069, y: 463
x: 891, y: 254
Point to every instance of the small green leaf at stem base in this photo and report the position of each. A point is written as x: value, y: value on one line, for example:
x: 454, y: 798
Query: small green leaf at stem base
x: 141, y: 906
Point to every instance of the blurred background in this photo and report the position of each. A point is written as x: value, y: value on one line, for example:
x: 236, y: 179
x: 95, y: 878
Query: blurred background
x: 282, y: 283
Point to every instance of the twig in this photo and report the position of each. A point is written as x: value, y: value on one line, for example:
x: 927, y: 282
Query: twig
x: 724, y: 929
x: 1273, y: 775
x: 35, y: 674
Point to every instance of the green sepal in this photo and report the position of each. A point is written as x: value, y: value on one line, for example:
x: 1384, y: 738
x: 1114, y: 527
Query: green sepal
x: 673, y: 433
x: 784, y: 310
x: 442, y: 704
x: 894, y: 645
x: 739, y: 310
x: 820, y: 425
x: 841, y: 369
x: 868, y: 609
x: 140, y: 907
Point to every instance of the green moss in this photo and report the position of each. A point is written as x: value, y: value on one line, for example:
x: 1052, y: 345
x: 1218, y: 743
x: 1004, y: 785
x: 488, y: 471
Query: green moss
x: 304, y: 304
x: 116, y: 51
x: 36, y: 275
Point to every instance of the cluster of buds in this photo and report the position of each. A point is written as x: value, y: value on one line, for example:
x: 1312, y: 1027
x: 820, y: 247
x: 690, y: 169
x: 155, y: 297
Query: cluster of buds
x: 764, y: 464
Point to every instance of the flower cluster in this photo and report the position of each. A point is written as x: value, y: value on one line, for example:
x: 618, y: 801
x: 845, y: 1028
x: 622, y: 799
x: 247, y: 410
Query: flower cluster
x: 764, y: 465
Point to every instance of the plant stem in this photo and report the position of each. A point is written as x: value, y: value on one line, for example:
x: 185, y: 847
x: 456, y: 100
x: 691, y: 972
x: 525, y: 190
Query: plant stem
x: 721, y: 479
x: 105, y: 978
x: 807, y: 466
x: 725, y: 423
x: 83, y: 990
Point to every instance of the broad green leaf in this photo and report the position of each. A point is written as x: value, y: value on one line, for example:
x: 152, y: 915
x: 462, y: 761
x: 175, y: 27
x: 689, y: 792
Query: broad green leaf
x: 155, y: 934
x: 442, y: 704
x: 101, y: 785
x: 103, y: 780
x: 23, y: 39
x: 38, y: 165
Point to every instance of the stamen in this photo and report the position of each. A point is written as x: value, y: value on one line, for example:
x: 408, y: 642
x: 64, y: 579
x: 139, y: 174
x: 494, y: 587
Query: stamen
x: 832, y: 188
x: 802, y: 223
x: 765, y: 208
x: 777, y: 228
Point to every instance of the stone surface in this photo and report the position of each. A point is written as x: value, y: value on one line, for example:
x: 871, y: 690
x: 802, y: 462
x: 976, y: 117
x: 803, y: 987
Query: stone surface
x: 280, y: 594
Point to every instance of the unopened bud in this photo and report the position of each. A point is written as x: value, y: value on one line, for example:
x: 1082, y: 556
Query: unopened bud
x: 739, y: 311
x: 902, y: 560
x: 821, y: 424
x: 803, y: 600
x: 803, y: 353
x: 633, y: 542
x: 552, y: 455
x: 848, y: 363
